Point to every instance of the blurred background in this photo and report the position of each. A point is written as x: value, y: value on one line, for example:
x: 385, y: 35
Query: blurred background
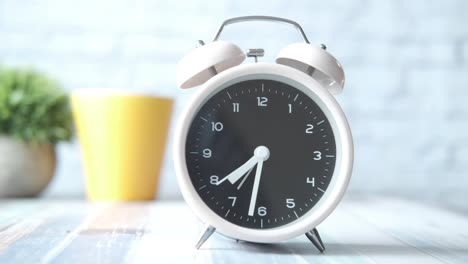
x: 406, y: 64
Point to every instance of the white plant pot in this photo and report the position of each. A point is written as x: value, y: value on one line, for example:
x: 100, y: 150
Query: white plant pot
x: 25, y: 169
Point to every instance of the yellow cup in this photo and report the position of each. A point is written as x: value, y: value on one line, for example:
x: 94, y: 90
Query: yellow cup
x: 122, y: 137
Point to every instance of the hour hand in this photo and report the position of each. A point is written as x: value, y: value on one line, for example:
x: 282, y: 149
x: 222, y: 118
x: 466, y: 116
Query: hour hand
x: 234, y: 176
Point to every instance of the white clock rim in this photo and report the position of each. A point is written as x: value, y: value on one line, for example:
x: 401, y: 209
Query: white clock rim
x: 344, y: 153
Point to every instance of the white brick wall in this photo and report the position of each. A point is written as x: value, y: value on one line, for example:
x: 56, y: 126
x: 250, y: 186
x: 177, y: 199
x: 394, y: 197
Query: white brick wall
x: 406, y: 94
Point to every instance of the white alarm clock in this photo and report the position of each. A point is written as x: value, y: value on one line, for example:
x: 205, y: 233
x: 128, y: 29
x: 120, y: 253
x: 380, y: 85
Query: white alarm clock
x: 263, y: 152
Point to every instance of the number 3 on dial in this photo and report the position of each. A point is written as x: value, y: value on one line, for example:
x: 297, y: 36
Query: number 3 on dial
x: 317, y: 155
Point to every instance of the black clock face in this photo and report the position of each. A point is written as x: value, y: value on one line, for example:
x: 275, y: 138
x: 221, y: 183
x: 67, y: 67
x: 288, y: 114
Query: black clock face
x: 260, y: 153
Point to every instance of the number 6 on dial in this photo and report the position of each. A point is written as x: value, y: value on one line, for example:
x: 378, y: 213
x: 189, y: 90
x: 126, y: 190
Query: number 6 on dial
x: 262, y: 211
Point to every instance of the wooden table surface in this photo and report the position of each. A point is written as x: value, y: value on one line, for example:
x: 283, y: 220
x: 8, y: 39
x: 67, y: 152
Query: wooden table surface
x: 364, y: 230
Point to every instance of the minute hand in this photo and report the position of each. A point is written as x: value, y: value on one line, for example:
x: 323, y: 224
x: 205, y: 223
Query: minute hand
x: 253, y: 198
x: 239, y: 172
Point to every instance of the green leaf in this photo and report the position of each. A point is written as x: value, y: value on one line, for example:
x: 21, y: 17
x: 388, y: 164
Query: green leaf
x: 33, y: 107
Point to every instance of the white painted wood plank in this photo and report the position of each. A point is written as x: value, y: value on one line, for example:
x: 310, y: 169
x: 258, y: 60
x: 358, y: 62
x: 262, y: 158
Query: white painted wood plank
x: 13, y: 210
x: 348, y: 240
x: 36, y: 231
x: 373, y: 230
x: 106, y: 236
x: 440, y: 233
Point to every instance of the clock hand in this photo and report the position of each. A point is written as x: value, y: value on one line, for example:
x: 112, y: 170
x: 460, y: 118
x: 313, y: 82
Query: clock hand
x: 245, y: 178
x: 239, y: 172
x: 253, y: 198
x: 261, y: 153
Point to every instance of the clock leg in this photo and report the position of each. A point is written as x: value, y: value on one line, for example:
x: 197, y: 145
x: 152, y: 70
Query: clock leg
x: 314, y: 237
x: 205, y: 234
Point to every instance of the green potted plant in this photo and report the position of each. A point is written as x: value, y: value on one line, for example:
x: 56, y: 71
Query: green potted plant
x: 34, y: 116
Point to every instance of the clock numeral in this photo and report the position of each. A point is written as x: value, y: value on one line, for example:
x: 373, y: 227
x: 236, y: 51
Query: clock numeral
x: 207, y: 153
x: 290, y: 203
x: 235, y: 107
x: 216, y: 126
x: 214, y: 179
x: 309, y: 129
x: 317, y: 155
x: 311, y: 180
x: 233, y: 198
x: 262, y: 211
x: 290, y: 108
x: 262, y: 101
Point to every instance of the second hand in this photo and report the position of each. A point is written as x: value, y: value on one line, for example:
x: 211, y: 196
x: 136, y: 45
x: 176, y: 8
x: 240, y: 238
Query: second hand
x: 245, y: 178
